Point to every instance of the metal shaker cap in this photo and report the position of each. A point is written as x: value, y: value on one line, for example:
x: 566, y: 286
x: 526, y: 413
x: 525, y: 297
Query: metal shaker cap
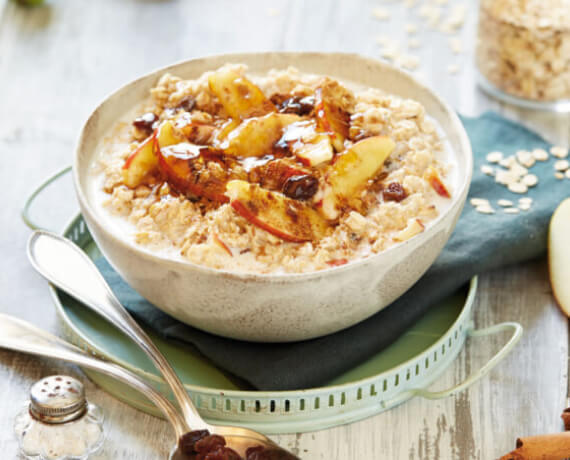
x: 57, y: 399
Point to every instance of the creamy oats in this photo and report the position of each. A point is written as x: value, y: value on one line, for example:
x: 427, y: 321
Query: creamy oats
x: 282, y: 173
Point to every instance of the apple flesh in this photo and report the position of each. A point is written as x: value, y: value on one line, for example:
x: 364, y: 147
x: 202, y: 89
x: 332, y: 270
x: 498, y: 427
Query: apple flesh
x: 140, y: 163
x: 240, y: 97
x: 559, y: 255
x: 351, y: 172
x: 256, y: 136
x: 314, y: 153
x: 332, y: 119
x: 288, y: 219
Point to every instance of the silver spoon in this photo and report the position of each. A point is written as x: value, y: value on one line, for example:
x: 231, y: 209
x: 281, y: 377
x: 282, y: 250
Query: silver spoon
x: 65, y: 265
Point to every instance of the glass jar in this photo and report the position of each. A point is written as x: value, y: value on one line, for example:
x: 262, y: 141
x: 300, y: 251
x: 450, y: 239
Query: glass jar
x: 58, y: 423
x: 523, y: 52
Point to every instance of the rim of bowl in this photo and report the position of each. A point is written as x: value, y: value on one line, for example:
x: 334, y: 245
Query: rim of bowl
x: 455, y: 125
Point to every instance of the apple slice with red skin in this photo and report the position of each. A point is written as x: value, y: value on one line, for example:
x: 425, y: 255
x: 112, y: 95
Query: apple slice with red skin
x: 559, y: 255
x: 189, y: 172
x: 288, y: 219
x: 185, y: 165
x: 140, y: 163
x: 332, y: 119
x: 432, y: 176
x: 240, y: 97
x: 351, y: 172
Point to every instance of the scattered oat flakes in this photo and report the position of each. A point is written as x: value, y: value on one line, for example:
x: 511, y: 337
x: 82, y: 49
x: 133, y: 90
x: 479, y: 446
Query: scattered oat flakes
x: 390, y: 52
x: 540, y: 154
x: 517, y: 187
x: 518, y: 170
x: 505, y: 177
x: 380, y: 13
x: 505, y: 203
x: 411, y: 28
x: 414, y: 43
x: 524, y: 206
x: 559, y: 175
x: 559, y: 151
x: 452, y: 69
x: 407, y: 61
x: 511, y: 210
x: 456, y: 45
x: 479, y: 202
x: 567, y: 173
x: 530, y: 180
x: 525, y: 199
x: 484, y: 209
x: 486, y: 169
x: 525, y: 158
x: 494, y: 157
x: 561, y: 165
x: 508, y: 162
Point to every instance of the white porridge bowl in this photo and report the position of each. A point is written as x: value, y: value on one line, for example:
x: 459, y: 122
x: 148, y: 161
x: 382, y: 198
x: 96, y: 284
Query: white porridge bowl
x: 275, y: 307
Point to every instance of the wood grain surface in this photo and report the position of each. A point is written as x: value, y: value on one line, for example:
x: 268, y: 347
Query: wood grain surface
x: 58, y: 61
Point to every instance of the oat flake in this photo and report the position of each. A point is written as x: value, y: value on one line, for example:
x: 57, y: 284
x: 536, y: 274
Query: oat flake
x: 511, y: 210
x: 494, y: 157
x: 518, y: 187
x: 561, y: 165
x: 505, y: 203
x: 530, y: 180
x: 540, y: 154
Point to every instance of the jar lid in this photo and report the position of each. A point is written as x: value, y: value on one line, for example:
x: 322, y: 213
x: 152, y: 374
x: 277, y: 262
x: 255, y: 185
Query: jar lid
x: 57, y: 399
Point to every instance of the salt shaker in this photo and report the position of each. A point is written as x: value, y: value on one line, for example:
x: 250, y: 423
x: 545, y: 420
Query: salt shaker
x: 58, y: 423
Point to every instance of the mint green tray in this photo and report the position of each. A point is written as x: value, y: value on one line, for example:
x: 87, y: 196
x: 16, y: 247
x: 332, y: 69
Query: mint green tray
x: 403, y: 370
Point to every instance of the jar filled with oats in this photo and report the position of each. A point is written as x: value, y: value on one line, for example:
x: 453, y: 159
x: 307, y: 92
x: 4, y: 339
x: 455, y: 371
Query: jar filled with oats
x: 523, y: 51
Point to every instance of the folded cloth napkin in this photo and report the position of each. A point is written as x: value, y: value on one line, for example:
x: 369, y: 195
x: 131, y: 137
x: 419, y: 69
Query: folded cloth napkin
x: 479, y: 243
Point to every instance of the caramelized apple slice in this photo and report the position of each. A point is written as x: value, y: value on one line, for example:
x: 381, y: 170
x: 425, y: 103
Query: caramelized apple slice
x: 186, y: 167
x: 256, y: 136
x: 314, y: 153
x: 238, y: 95
x: 288, y: 219
x: 432, y: 176
x: 331, y: 117
x: 140, y: 163
x: 351, y: 172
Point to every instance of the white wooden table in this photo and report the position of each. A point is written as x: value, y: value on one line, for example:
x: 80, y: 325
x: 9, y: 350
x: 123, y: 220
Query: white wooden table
x: 58, y: 61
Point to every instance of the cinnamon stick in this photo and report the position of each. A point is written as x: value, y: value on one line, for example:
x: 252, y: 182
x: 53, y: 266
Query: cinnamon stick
x: 566, y: 418
x: 542, y: 447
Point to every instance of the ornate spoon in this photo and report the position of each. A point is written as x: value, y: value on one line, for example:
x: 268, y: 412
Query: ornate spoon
x: 65, y: 265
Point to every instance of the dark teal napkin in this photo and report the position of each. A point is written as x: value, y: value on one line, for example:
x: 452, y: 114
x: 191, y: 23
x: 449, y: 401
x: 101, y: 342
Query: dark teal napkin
x: 479, y: 243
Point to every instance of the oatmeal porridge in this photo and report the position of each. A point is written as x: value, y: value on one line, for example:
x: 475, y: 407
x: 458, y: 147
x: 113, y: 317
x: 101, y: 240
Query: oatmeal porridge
x: 281, y: 173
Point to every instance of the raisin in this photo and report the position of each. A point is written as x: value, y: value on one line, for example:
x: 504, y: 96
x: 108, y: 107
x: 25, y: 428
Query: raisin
x: 188, y: 104
x: 188, y: 440
x: 209, y: 443
x: 145, y: 122
x: 394, y: 192
x: 299, y: 105
x: 222, y: 453
x: 301, y: 187
x: 267, y: 453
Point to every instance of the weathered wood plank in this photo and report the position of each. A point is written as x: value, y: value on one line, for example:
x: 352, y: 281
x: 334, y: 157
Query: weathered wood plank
x: 57, y: 62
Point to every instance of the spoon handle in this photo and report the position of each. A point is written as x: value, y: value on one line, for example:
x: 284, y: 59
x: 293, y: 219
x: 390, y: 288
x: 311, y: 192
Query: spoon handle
x: 68, y: 267
x: 21, y: 336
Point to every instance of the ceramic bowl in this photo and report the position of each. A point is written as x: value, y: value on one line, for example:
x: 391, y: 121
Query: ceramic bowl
x: 281, y: 307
